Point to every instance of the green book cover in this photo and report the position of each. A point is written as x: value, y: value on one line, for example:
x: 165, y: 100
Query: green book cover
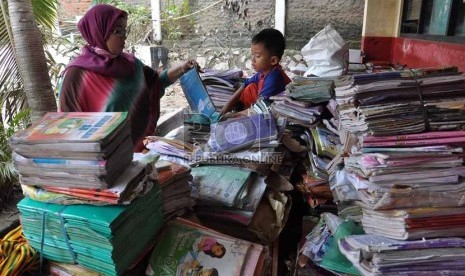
x: 220, y: 184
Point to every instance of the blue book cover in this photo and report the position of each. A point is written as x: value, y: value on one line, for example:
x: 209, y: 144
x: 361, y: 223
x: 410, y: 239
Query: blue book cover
x: 197, y: 96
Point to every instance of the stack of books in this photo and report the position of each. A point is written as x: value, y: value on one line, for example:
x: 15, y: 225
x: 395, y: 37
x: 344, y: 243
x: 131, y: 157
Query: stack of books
x: 312, y: 90
x: 377, y: 255
x: 303, y: 102
x: 402, y: 102
x: 323, y: 146
x: 387, y: 172
x: 106, y: 239
x: 174, y: 150
x: 136, y: 180
x: 77, y: 150
x: 85, y: 196
x: 405, y: 170
x: 221, y: 85
x: 176, y: 188
x: 235, y: 198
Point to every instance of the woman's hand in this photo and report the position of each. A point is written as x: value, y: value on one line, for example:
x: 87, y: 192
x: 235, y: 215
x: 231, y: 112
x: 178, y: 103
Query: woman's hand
x: 182, y: 67
x: 189, y: 64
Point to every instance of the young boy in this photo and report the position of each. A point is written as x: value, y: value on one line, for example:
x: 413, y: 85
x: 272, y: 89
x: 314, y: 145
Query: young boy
x: 267, y: 49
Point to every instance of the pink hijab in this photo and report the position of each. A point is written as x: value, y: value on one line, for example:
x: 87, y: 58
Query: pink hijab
x: 96, y: 27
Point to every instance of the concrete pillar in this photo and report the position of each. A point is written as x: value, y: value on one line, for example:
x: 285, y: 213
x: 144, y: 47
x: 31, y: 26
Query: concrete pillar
x: 280, y: 16
x: 156, y: 20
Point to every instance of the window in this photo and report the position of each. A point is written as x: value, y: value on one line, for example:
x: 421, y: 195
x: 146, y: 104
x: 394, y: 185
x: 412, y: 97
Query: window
x: 441, y: 20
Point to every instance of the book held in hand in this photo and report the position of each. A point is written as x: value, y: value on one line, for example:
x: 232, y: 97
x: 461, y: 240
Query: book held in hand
x: 197, y: 96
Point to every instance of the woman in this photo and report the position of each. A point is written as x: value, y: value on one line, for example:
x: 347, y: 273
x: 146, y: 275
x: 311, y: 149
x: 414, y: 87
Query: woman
x: 105, y: 79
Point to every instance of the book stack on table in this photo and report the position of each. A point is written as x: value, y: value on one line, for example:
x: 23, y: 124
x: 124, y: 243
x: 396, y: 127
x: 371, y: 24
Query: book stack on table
x: 304, y: 100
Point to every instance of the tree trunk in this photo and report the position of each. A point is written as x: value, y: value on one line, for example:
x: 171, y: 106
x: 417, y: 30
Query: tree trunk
x: 30, y: 57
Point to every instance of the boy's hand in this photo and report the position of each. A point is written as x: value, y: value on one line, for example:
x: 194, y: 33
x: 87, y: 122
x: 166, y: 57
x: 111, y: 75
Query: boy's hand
x: 232, y: 102
x: 223, y: 111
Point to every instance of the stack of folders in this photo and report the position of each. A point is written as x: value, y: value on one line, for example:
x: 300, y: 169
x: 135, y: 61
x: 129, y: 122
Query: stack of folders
x: 106, y: 239
x: 77, y: 150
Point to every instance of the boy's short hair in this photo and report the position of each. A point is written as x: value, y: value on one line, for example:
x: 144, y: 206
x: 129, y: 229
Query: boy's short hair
x: 273, y: 40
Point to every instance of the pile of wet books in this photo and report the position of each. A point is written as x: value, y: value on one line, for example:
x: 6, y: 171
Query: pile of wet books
x: 402, y: 102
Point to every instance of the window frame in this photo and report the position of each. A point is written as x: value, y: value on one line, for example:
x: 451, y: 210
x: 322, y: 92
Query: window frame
x: 450, y: 28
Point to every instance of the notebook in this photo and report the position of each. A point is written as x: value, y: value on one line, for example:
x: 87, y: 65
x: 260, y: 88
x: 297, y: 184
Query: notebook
x: 198, y: 98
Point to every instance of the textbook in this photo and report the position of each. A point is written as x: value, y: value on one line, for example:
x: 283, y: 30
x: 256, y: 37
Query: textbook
x: 242, y: 132
x: 198, y: 98
x: 91, y: 132
x: 73, y: 170
x: 221, y: 185
x: 186, y: 248
x: 240, y: 215
x: 326, y: 143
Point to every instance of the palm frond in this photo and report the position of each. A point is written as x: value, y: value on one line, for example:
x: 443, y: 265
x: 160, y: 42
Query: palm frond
x: 10, y: 78
x: 14, y: 110
x: 12, y: 97
x: 45, y: 12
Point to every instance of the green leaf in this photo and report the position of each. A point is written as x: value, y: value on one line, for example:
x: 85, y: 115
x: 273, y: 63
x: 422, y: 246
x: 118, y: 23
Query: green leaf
x: 46, y: 12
